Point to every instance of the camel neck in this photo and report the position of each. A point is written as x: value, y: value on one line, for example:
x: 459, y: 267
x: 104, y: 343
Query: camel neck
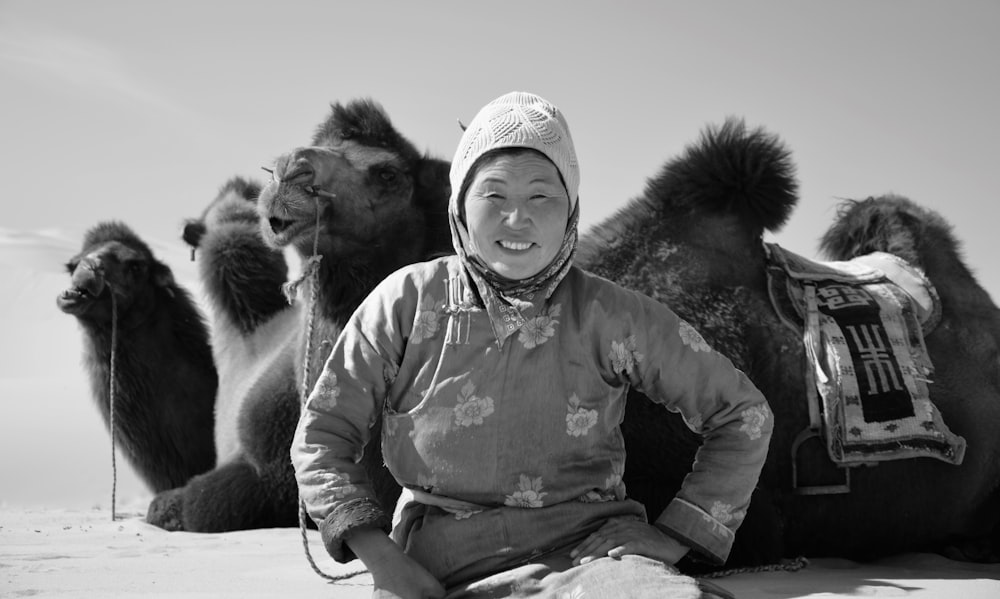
x: 342, y: 287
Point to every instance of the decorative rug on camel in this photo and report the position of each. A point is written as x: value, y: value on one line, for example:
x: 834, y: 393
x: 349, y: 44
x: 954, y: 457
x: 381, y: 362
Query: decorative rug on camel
x: 863, y: 332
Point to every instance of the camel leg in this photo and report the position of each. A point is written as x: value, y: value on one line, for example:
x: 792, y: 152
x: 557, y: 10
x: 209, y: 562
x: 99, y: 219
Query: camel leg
x: 166, y: 510
x: 227, y: 498
x: 254, y: 490
x: 257, y: 488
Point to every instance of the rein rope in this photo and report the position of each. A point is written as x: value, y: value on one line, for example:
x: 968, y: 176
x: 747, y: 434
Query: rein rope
x: 111, y: 399
x: 310, y: 271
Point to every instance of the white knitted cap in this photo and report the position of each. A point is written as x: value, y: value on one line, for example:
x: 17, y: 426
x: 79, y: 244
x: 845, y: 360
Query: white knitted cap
x: 517, y: 120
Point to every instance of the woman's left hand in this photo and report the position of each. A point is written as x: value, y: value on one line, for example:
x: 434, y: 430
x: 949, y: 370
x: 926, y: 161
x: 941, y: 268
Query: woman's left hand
x: 626, y: 536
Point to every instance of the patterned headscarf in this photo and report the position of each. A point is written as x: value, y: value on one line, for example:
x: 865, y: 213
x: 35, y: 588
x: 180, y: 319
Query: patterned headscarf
x: 514, y: 120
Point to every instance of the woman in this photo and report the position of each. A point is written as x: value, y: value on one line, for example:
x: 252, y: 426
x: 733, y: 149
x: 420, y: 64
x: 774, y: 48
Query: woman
x: 500, y: 374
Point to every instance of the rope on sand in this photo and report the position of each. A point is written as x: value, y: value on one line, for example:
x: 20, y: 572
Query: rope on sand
x: 785, y: 565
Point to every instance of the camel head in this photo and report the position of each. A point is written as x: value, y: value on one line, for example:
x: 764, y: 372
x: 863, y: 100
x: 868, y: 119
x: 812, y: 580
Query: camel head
x: 889, y: 223
x: 360, y: 191
x: 113, y: 261
x: 236, y: 202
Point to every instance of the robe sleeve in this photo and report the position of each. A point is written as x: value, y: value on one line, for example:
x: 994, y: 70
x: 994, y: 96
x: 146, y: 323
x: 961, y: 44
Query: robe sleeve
x: 668, y: 360
x: 345, y: 402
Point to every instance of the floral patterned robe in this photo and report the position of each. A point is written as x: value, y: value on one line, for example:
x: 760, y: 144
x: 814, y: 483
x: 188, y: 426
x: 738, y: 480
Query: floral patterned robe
x: 507, y: 452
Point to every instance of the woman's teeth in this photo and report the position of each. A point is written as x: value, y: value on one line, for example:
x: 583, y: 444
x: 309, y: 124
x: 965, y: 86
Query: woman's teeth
x: 515, y: 245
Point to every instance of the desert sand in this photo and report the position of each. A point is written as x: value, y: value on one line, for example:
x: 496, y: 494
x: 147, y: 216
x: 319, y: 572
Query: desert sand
x: 82, y: 553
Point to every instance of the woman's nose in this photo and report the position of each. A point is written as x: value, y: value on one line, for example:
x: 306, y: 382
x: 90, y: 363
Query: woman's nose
x: 517, y: 216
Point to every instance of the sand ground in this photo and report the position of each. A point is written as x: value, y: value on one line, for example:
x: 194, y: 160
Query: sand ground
x: 74, y: 553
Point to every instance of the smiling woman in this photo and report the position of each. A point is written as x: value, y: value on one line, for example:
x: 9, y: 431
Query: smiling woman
x: 499, y: 378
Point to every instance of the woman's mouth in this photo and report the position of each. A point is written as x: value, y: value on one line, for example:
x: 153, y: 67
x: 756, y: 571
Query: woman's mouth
x: 517, y: 246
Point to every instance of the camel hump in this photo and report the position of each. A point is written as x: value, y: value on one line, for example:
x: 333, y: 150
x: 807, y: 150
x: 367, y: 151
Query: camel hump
x: 731, y: 169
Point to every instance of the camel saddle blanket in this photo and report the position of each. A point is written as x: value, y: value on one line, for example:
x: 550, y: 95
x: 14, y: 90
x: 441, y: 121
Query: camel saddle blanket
x: 863, y: 324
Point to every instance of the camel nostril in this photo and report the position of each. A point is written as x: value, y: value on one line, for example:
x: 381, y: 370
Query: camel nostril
x: 278, y: 225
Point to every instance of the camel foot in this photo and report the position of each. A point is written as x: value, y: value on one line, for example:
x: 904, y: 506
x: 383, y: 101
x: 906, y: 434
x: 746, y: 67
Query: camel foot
x: 166, y: 510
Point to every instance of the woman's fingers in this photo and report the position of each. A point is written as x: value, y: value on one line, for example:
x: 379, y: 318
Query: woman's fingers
x: 628, y: 537
x: 600, y: 550
x: 597, y: 544
x: 586, y: 545
x: 619, y: 551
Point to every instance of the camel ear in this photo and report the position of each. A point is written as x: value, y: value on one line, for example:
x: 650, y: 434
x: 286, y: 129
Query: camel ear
x: 163, y: 278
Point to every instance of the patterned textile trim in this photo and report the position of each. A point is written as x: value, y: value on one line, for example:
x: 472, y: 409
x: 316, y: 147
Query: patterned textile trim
x: 866, y: 354
x: 347, y: 518
x: 697, y: 529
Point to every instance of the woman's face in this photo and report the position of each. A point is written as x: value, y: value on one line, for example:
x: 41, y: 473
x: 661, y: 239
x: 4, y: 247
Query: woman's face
x: 516, y: 211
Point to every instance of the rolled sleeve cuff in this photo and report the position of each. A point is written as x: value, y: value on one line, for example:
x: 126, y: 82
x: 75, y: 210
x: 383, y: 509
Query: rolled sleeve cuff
x: 696, y: 528
x: 347, y: 518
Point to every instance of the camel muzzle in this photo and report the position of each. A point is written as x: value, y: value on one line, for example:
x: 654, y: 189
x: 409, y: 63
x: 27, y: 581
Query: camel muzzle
x: 294, y: 174
x: 87, y: 285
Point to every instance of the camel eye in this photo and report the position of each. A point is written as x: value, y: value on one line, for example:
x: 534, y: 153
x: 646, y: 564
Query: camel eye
x: 387, y: 175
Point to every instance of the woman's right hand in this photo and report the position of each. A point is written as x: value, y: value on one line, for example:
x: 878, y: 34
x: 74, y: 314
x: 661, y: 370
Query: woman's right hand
x: 395, y: 574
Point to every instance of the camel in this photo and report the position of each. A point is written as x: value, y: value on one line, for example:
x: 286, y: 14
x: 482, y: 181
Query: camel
x: 245, y: 323
x: 694, y: 241
x: 365, y: 202
x: 165, y: 378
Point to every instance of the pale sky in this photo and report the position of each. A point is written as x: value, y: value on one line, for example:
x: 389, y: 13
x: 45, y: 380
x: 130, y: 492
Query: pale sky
x: 139, y: 111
